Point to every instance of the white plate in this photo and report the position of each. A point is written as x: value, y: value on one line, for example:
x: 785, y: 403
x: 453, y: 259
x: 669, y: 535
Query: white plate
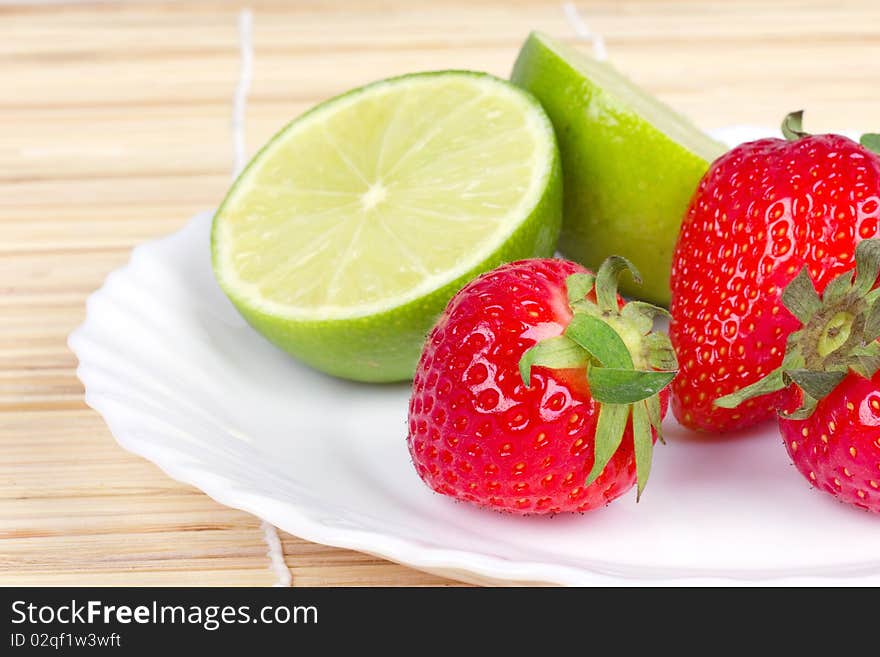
x: 183, y: 381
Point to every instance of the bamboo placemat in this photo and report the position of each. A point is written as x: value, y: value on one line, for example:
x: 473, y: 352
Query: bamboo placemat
x: 116, y: 124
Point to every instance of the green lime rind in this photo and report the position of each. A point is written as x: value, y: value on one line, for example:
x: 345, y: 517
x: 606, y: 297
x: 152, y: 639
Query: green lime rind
x: 384, y: 346
x: 631, y: 164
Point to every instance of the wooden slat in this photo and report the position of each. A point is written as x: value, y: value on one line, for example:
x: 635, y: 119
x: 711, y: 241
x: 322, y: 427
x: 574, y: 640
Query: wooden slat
x: 116, y: 129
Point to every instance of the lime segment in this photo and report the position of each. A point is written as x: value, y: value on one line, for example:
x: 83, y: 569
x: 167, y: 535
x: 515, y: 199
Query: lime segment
x: 631, y: 163
x: 363, y: 216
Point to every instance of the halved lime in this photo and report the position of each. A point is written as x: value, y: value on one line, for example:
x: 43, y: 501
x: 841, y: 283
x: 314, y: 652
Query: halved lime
x: 630, y: 163
x: 345, y: 237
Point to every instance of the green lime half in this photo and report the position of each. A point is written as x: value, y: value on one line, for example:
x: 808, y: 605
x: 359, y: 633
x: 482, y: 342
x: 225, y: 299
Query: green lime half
x: 630, y: 163
x: 346, y: 236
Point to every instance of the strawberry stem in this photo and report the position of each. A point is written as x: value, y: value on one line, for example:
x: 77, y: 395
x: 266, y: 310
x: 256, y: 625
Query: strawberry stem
x: 793, y: 126
x: 608, y: 278
x: 836, y: 332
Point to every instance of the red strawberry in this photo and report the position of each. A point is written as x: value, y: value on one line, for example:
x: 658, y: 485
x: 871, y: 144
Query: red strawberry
x: 537, y: 390
x: 838, y: 447
x: 830, y: 384
x: 761, y: 213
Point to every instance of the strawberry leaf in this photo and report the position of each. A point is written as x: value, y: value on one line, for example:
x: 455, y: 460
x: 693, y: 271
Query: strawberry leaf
x: 771, y: 383
x: 624, y: 386
x: 643, y: 445
x: 865, y: 361
x: 661, y: 355
x: 815, y: 384
x: 609, y: 432
x: 838, y: 288
x: 655, y: 416
x: 867, y: 265
x: 801, y: 298
x: 578, y: 286
x: 600, y: 340
x: 871, y: 141
x: 558, y: 353
x: 872, y: 322
x: 642, y: 315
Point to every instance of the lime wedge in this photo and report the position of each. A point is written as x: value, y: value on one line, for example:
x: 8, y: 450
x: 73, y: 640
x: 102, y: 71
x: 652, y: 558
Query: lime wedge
x: 630, y: 163
x: 345, y: 237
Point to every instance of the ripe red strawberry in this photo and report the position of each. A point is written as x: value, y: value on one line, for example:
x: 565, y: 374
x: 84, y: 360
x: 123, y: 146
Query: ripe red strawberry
x: 537, y: 390
x: 838, y: 447
x: 830, y: 384
x: 761, y: 213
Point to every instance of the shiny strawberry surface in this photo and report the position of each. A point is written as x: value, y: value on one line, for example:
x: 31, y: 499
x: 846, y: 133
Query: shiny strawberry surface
x: 477, y: 433
x: 761, y: 213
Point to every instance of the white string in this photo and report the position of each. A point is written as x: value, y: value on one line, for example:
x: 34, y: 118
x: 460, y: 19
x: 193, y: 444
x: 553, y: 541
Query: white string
x: 239, y: 107
x: 276, y: 555
x: 239, y: 100
x: 583, y: 32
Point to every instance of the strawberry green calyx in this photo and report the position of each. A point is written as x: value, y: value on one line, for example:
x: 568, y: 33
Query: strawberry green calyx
x: 838, y: 335
x: 871, y: 141
x: 793, y: 129
x: 626, y: 363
